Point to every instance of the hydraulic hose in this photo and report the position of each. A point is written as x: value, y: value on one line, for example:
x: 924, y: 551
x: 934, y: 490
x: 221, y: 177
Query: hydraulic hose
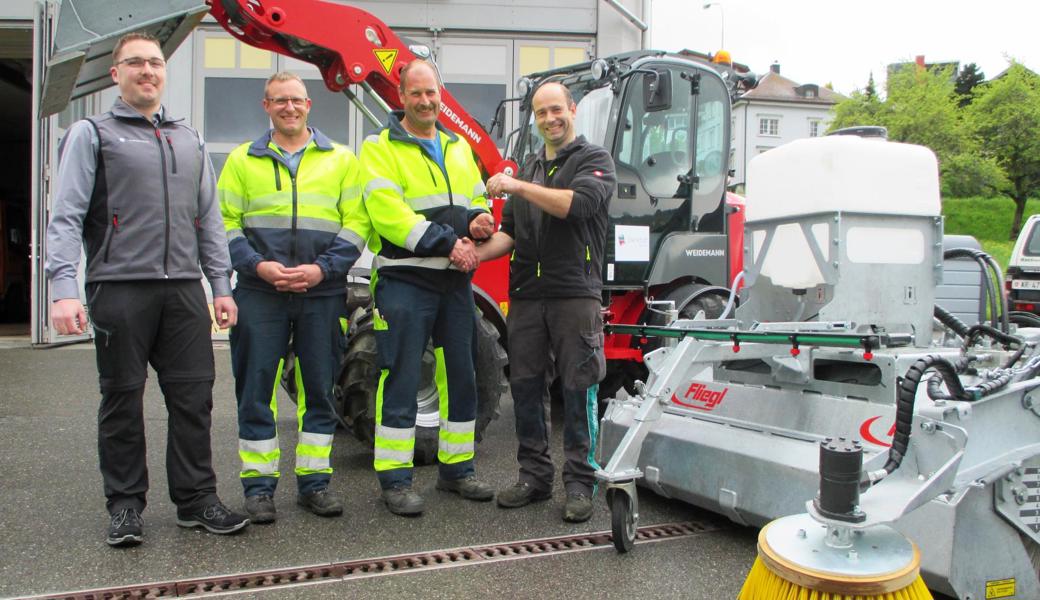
x: 978, y: 330
x: 1024, y: 319
x: 951, y: 321
x: 905, y: 405
x: 998, y: 277
x: 994, y: 294
x: 732, y: 295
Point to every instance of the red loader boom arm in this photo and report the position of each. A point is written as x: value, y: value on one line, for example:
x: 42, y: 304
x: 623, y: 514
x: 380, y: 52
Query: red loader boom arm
x: 349, y: 46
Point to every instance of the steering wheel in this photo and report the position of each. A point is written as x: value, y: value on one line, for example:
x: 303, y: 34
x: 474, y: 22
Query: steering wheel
x: 711, y: 164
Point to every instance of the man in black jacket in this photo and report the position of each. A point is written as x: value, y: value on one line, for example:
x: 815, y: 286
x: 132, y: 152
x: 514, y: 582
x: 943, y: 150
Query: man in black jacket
x: 555, y: 222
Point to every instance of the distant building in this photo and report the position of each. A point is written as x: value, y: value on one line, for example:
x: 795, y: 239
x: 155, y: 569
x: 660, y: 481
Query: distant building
x: 1004, y: 72
x: 919, y: 62
x: 775, y: 112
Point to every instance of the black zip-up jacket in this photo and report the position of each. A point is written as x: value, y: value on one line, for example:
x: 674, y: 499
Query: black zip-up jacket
x: 561, y: 258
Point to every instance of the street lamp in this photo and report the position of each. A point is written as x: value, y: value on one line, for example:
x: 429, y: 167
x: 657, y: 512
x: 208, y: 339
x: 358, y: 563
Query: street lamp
x: 722, y: 17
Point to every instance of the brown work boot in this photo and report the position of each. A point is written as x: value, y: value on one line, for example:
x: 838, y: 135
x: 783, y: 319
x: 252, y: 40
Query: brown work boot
x: 467, y: 487
x: 578, y: 507
x: 322, y: 503
x: 402, y: 500
x: 521, y: 494
x: 260, y: 509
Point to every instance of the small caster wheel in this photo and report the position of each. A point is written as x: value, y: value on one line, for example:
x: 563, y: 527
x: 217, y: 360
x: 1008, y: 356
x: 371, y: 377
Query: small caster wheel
x: 622, y: 521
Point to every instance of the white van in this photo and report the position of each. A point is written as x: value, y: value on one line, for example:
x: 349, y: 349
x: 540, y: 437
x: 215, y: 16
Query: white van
x: 1022, y: 280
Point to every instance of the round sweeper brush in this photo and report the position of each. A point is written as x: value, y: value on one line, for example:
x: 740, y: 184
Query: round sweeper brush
x: 801, y: 559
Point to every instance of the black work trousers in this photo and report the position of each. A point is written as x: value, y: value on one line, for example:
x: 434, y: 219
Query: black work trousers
x: 165, y: 323
x: 570, y: 332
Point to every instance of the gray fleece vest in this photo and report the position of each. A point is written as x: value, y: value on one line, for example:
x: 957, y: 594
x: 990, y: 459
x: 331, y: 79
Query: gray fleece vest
x: 144, y: 210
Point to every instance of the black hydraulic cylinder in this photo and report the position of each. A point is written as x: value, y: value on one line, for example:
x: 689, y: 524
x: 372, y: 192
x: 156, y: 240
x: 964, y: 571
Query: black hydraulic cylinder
x: 841, y: 463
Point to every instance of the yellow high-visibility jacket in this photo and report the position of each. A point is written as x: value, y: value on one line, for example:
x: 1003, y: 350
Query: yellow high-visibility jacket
x: 418, y: 210
x: 313, y: 216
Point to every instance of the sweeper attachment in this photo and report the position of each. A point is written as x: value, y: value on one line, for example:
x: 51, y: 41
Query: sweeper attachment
x: 837, y: 336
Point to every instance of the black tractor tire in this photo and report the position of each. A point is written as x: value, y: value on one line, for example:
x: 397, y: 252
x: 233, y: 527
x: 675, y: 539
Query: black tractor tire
x: 359, y: 380
x: 358, y: 296
x: 689, y: 300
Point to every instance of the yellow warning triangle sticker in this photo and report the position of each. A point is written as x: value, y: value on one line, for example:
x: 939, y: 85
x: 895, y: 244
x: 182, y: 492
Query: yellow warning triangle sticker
x: 386, y: 57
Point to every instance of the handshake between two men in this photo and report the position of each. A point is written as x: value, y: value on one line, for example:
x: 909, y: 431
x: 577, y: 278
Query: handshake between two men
x: 464, y: 255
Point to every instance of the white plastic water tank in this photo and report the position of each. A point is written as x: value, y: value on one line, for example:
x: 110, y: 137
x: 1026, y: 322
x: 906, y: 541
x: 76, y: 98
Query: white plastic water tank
x: 838, y: 173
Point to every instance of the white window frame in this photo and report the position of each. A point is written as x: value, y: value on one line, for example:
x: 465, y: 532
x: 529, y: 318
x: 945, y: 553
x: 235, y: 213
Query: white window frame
x: 814, y: 127
x: 764, y: 129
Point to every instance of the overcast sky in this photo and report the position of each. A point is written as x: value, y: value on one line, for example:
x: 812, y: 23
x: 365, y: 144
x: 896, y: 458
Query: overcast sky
x: 842, y: 41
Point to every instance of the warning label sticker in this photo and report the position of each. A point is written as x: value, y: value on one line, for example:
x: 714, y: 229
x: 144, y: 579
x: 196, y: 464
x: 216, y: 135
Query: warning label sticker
x: 1000, y: 588
x: 386, y: 57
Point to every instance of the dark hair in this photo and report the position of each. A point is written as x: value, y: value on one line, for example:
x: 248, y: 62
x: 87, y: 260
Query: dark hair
x: 132, y: 37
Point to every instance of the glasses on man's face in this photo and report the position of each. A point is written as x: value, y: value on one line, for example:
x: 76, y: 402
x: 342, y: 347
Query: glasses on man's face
x: 283, y: 101
x: 138, y: 62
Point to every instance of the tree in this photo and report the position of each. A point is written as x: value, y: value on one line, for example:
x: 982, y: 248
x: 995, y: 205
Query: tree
x: 1005, y: 115
x: 921, y: 108
x: 969, y: 77
x: 871, y: 91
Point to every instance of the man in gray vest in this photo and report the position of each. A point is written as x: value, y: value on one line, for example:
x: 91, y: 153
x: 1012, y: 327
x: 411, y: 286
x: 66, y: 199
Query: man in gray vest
x: 136, y: 188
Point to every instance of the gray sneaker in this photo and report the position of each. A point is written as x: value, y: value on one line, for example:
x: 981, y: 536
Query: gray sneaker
x: 578, y: 507
x: 215, y: 518
x: 126, y: 528
x: 521, y: 494
x: 467, y: 487
x: 403, y: 500
x: 260, y: 509
x: 322, y: 503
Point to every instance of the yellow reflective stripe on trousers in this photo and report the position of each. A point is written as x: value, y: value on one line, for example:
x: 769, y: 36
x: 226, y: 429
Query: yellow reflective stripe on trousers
x: 312, y: 453
x: 260, y: 457
x: 455, y: 440
x: 301, y: 394
x: 394, y: 447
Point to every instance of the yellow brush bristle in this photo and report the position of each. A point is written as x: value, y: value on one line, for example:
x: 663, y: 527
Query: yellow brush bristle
x: 763, y: 584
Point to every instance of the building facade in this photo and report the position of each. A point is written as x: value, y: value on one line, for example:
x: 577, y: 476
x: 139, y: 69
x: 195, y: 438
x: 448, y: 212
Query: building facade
x: 482, y: 47
x: 778, y: 110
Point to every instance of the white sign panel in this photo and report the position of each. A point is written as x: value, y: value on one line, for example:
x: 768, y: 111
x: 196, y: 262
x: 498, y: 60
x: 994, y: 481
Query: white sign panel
x: 631, y: 243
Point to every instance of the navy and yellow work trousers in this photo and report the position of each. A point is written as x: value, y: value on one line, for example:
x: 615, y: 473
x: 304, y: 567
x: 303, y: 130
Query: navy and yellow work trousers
x: 259, y: 343
x: 571, y: 330
x: 408, y: 316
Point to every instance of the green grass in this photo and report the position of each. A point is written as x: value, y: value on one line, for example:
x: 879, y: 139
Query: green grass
x: 988, y: 220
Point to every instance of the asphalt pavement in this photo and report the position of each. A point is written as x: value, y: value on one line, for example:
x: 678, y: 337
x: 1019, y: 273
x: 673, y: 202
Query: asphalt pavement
x: 53, y: 518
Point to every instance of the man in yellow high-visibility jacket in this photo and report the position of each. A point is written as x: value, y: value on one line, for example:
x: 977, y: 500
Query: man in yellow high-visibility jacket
x: 295, y: 224
x: 426, y: 202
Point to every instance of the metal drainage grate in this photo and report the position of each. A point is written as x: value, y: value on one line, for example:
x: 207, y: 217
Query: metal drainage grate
x: 375, y: 567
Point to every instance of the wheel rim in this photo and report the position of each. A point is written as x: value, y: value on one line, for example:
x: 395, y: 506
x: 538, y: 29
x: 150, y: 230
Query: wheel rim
x: 427, y: 398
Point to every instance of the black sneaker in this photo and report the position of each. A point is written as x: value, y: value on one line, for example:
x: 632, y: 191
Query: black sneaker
x: 215, y: 518
x: 467, y: 487
x: 578, y: 507
x: 260, y: 509
x: 521, y: 494
x: 125, y: 528
x: 322, y: 503
x: 403, y: 500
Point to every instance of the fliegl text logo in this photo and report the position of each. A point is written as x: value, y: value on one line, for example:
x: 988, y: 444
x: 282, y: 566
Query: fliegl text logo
x: 875, y: 433
x: 700, y: 397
